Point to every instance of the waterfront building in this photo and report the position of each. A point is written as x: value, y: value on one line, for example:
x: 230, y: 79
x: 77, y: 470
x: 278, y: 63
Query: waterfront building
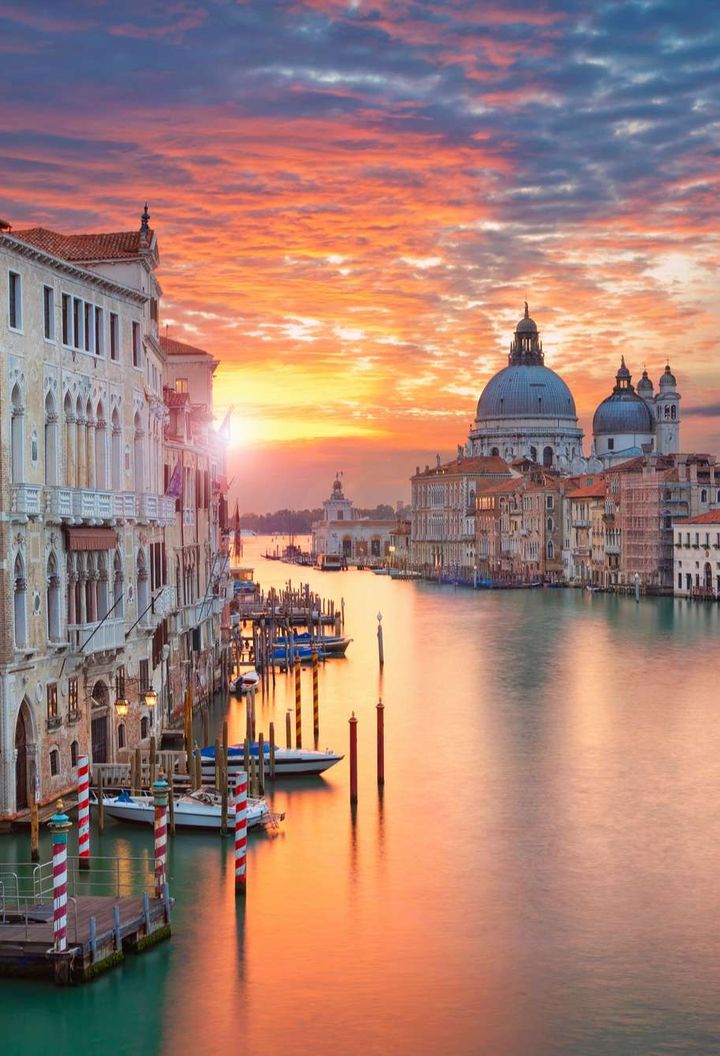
x: 585, y: 506
x: 357, y: 539
x: 85, y: 595
x: 443, y: 508
x: 526, y: 410
x: 696, y: 557
x: 630, y: 423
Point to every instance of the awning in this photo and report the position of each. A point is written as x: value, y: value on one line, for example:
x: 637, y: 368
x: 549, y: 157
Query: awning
x: 91, y: 538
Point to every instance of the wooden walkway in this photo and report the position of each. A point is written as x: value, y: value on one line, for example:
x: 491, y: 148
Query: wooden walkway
x: 99, y: 931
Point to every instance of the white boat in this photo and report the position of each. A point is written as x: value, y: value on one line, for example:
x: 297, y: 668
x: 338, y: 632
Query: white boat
x: 245, y: 681
x: 288, y: 761
x: 381, y: 571
x: 196, y: 810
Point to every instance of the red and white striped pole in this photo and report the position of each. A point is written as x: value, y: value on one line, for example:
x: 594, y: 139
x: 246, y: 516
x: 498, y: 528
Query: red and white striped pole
x: 84, y: 811
x: 160, y: 792
x: 59, y: 825
x: 241, y: 833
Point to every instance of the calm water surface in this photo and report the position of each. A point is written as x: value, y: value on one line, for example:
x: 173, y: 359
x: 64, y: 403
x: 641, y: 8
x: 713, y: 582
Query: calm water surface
x: 540, y: 876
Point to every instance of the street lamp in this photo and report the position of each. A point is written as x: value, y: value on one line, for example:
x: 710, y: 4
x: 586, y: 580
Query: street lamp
x: 151, y: 699
x: 122, y: 707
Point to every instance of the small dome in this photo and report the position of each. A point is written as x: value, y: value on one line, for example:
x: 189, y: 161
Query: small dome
x: 521, y: 391
x: 526, y: 324
x: 667, y: 380
x: 623, y: 412
x: 623, y: 372
x: 645, y: 386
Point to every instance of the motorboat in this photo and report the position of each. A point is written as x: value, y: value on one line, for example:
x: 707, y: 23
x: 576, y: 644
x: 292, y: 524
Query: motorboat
x: 332, y: 644
x: 381, y: 571
x: 289, y: 653
x: 245, y: 681
x: 331, y: 563
x: 201, y: 809
x: 288, y: 761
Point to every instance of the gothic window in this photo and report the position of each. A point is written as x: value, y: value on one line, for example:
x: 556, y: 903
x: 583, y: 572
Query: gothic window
x: 100, y: 447
x: 116, y: 450
x: 74, y: 753
x: 144, y: 727
x: 51, y: 439
x: 142, y: 584
x: 703, y: 495
x: 138, y: 453
x: 20, y: 603
x: 121, y: 735
x: 118, y: 610
x: 533, y: 454
x: 547, y: 457
x: 53, y: 600
x: 17, y: 430
x: 52, y: 700
x: 54, y: 762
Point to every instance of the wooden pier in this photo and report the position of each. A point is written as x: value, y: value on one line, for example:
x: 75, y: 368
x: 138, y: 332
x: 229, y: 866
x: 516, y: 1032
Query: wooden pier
x: 101, y: 928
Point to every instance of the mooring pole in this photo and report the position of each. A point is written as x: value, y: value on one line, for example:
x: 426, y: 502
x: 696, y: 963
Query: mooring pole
x: 380, y: 707
x: 59, y: 825
x: 84, y: 811
x: 353, y: 759
x: 381, y: 651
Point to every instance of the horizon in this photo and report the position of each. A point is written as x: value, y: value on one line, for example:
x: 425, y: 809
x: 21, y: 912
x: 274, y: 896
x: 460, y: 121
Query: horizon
x: 353, y: 200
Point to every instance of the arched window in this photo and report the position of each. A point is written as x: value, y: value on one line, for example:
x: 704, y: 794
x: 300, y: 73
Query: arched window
x: 142, y: 584
x: 144, y: 727
x: 139, y: 460
x: 90, y: 445
x: 495, y: 451
x: 703, y: 495
x: 74, y: 753
x: 673, y: 412
x: 70, y: 438
x: 547, y: 457
x: 718, y: 496
x: 53, y: 600
x: 550, y: 524
x: 20, y: 603
x: 100, y: 447
x: 17, y: 436
x: 119, y: 609
x: 51, y: 439
x: 102, y: 586
x: 81, y: 460
x: 550, y: 550
x: 54, y: 762
x: 533, y: 454
x: 116, y: 457
x: 121, y: 735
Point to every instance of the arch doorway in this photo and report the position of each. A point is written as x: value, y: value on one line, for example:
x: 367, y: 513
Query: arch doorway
x: 708, y: 578
x: 22, y: 738
x: 99, y: 723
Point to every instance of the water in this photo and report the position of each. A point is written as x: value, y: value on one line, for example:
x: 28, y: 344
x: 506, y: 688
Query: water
x: 539, y: 877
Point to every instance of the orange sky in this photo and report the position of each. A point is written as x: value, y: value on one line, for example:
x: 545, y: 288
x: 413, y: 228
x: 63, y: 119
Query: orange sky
x: 353, y: 200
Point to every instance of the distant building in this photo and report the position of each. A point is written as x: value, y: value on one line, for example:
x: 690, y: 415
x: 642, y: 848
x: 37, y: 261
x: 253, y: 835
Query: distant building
x: 697, y: 556
x: 629, y: 423
x: 357, y: 539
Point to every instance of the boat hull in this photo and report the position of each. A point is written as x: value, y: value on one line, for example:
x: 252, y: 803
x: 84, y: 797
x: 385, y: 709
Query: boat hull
x: 195, y: 816
x: 289, y: 762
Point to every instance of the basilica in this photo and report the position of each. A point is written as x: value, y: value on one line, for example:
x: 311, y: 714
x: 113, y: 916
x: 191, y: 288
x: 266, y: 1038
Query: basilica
x: 527, y: 411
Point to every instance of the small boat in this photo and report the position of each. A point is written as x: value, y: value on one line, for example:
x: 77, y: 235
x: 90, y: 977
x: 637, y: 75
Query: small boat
x: 243, y: 581
x: 245, y: 681
x: 288, y: 761
x: 381, y: 571
x: 331, y: 563
x: 196, y: 810
x: 332, y: 644
x: 285, y: 654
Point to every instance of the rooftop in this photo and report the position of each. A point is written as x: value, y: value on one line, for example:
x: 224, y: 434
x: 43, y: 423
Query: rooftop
x: 479, y: 464
x: 711, y: 517
x: 114, y: 245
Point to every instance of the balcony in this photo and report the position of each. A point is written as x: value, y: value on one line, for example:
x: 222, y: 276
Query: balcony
x: 25, y: 500
x: 106, y: 636
x: 165, y: 602
x: 580, y: 522
x: 193, y: 615
x: 91, y: 505
x: 612, y: 548
x: 157, y: 508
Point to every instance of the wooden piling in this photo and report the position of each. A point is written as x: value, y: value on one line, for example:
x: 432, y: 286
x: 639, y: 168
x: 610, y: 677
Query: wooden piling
x: 138, y: 770
x: 218, y: 764
x: 381, y: 650
x: 34, y: 828
x: 206, y: 726
x: 353, y: 759
x: 171, y: 807
x: 288, y: 729
x: 224, y: 779
x: 272, y: 751
x: 152, y: 761
x: 380, y: 707
x: 261, y: 764
x: 246, y: 757
x: 101, y: 803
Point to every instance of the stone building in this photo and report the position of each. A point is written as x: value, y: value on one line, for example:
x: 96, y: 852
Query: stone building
x: 443, y: 509
x: 697, y: 556
x: 357, y: 539
x: 84, y: 582
x: 630, y: 423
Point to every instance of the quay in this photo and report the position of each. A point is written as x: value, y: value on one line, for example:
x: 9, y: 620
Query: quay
x: 101, y: 928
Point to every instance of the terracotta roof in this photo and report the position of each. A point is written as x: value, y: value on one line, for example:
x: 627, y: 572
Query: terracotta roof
x: 504, y: 487
x: 711, y: 517
x: 589, y: 491
x: 117, y: 245
x: 178, y: 348
x: 487, y: 464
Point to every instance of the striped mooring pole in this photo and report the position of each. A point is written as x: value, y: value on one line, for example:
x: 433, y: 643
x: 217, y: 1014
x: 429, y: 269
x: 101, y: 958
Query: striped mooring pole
x: 59, y: 824
x: 298, y: 705
x: 353, y: 759
x: 241, y: 788
x: 316, y: 707
x: 84, y: 811
x: 160, y: 793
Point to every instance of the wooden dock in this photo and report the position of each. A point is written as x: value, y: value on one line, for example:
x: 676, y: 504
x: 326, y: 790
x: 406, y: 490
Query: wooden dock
x: 101, y: 928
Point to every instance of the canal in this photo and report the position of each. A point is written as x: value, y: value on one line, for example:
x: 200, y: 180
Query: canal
x: 539, y: 878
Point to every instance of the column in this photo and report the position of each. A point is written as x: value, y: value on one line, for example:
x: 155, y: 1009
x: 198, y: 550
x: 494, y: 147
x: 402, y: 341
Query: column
x: 81, y: 467
x: 70, y: 452
x: 90, y: 448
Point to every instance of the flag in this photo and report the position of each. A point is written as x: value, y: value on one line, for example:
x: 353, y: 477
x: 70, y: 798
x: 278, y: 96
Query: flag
x: 174, y: 488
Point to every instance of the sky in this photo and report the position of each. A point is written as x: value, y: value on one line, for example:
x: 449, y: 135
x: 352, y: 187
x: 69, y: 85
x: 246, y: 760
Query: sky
x: 353, y: 199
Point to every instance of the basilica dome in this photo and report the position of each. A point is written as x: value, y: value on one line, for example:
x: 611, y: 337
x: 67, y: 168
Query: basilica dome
x: 532, y: 391
x: 623, y: 411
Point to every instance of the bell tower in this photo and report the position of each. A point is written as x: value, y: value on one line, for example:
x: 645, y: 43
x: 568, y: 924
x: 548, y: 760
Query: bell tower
x: 667, y: 415
x: 337, y: 507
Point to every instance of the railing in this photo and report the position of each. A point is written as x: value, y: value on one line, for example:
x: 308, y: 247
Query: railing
x: 125, y: 505
x: 612, y: 548
x: 25, y: 499
x: 165, y: 602
x: 117, y: 775
x: 58, y: 502
x: 109, y: 634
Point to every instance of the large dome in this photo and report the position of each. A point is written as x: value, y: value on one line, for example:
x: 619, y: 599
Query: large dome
x: 623, y: 412
x: 526, y: 392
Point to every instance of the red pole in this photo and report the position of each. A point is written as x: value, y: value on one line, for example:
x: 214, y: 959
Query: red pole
x: 380, y: 742
x: 353, y: 758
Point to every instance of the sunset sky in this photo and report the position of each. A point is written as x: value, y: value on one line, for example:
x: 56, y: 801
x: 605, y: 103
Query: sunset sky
x: 353, y: 198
